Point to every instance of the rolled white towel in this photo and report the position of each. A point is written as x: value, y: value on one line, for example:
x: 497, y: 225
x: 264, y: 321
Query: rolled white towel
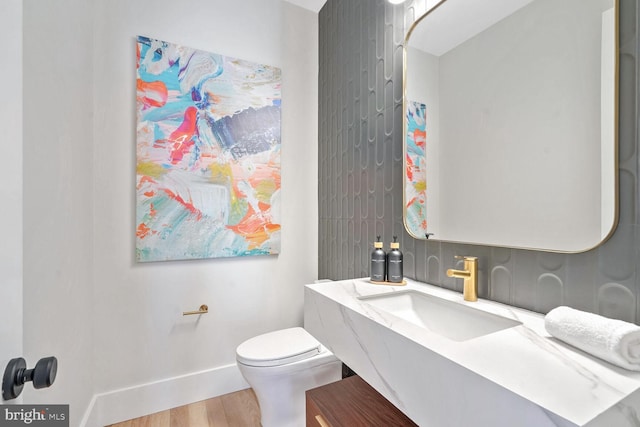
x: 613, y: 340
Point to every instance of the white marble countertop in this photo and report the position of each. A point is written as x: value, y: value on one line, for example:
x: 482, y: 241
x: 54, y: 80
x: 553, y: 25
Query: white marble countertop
x: 570, y: 387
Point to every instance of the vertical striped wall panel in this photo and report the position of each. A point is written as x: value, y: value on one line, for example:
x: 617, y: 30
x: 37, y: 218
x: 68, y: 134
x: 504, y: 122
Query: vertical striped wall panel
x: 361, y: 177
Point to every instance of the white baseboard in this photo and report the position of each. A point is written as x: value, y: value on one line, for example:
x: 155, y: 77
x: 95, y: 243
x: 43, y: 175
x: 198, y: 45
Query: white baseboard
x: 144, y: 399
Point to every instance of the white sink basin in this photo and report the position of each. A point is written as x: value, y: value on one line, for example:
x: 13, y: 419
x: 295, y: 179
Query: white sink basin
x: 449, y: 319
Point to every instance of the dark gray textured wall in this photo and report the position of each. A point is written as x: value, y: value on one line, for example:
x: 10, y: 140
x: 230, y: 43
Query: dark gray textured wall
x: 361, y: 177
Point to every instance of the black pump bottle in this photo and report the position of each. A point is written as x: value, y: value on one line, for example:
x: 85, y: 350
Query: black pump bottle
x: 378, y: 262
x: 394, y: 263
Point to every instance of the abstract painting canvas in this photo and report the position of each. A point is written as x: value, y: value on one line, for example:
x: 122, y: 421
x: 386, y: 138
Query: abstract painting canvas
x: 208, y: 154
x: 416, y: 182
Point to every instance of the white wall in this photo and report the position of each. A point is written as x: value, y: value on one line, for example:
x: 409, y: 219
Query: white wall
x: 124, y: 348
x: 141, y: 336
x: 11, y: 178
x: 58, y: 194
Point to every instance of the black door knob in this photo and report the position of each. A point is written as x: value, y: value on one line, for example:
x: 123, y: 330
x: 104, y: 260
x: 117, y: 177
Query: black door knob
x: 44, y: 374
x: 16, y: 374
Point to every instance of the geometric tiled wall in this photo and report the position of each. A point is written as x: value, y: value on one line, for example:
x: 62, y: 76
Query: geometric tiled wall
x: 361, y: 177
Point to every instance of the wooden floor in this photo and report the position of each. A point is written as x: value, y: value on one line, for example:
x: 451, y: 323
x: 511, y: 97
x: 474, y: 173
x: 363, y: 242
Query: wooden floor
x: 239, y: 409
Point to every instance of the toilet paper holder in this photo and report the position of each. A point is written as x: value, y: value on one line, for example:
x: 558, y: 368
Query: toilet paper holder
x: 204, y: 309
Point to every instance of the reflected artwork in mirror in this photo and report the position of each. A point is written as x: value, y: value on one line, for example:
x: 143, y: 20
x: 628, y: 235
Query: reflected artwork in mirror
x: 511, y: 123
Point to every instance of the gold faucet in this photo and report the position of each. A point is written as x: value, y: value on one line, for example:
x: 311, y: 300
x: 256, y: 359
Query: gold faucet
x: 470, y: 276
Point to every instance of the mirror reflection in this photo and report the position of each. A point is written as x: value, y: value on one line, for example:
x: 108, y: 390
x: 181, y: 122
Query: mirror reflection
x: 510, y: 119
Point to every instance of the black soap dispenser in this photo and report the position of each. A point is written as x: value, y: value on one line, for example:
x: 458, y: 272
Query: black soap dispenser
x: 394, y: 263
x: 378, y: 262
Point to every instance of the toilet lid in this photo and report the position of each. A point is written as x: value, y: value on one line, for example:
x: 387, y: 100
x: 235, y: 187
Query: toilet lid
x: 278, y: 348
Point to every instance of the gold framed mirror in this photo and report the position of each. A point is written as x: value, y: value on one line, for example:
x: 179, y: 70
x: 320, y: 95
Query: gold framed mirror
x: 511, y: 123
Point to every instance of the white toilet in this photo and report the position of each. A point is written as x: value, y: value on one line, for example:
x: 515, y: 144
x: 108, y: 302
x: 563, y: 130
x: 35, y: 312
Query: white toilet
x: 280, y: 366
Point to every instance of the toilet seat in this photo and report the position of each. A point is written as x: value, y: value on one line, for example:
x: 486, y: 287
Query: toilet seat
x: 278, y: 348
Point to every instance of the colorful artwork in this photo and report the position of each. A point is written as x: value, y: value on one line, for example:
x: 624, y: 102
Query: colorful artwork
x: 208, y: 154
x: 416, y: 182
